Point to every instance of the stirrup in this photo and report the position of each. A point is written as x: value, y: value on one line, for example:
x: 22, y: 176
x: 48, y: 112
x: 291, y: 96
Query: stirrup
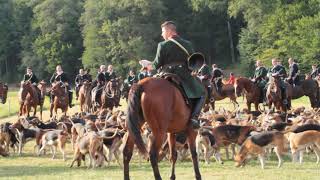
x: 195, y: 124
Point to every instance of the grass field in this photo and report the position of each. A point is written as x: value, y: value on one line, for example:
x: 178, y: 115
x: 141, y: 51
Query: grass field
x: 29, y: 166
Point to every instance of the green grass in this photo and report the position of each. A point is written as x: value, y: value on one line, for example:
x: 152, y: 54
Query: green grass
x: 30, y: 166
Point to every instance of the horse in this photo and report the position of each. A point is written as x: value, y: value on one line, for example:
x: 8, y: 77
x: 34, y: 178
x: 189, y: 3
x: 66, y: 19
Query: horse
x: 3, y: 92
x: 159, y: 103
x: 274, y: 95
x: 250, y: 89
x: 61, y: 98
x: 110, y: 96
x: 31, y: 97
x: 308, y: 88
x: 227, y: 90
x: 84, y: 97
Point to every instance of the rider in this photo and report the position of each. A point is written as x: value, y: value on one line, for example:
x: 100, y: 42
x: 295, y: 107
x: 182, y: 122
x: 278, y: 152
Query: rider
x: 293, y: 77
x: 217, y: 76
x: 259, y: 78
x: 204, y: 75
x: 279, y: 70
x: 171, y: 57
x: 146, y: 70
x: 315, y: 71
x: 32, y: 78
x: 101, y: 80
x: 87, y: 75
x: 110, y: 74
x: 80, y: 79
x: 131, y: 78
x: 232, y: 79
x: 60, y: 76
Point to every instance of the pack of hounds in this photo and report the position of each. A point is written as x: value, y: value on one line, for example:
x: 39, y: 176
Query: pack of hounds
x: 101, y: 136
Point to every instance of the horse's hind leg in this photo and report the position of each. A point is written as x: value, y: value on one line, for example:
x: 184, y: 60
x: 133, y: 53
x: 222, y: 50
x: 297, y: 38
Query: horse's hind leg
x: 173, y: 154
x: 191, y: 142
x: 127, y: 154
x: 154, y: 153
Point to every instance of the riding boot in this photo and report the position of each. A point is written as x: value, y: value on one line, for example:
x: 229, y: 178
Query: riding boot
x: 70, y: 99
x: 198, y: 104
x: 211, y: 99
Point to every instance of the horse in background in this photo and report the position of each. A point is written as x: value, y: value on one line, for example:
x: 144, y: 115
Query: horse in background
x: 85, y: 97
x: 251, y: 90
x: 3, y: 92
x: 31, y: 96
x: 61, y: 99
x: 274, y: 94
x: 110, y: 96
x: 227, y: 90
x: 159, y: 103
x: 308, y: 88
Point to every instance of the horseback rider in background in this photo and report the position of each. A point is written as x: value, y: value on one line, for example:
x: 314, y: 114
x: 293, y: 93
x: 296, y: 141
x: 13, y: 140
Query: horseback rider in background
x: 293, y: 77
x: 32, y: 78
x: 204, y: 74
x: 279, y: 71
x: 172, y: 57
x: 315, y: 71
x: 217, y: 76
x: 80, y: 79
x: 60, y: 76
x: 260, y: 78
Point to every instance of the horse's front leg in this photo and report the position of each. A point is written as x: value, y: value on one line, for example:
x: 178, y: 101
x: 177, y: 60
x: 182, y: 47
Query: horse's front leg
x: 191, y: 142
x: 51, y: 109
x: 35, y: 110
x: 21, y: 109
x: 41, y: 108
x: 249, y: 106
x: 173, y: 154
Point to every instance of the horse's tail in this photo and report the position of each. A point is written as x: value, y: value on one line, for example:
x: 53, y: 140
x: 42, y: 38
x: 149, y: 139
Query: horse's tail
x: 135, y: 116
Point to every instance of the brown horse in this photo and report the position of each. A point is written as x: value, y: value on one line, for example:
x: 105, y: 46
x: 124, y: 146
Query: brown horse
x: 84, y: 97
x: 61, y: 98
x: 274, y: 95
x: 250, y: 89
x: 160, y: 104
x: 308, y: 88
x: 29, y: 98
x: 110, y: 96
x: 227, y: 90
x: 3, y: 93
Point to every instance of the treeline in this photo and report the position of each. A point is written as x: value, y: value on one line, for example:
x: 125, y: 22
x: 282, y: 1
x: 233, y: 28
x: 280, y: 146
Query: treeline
x: 87, y: 33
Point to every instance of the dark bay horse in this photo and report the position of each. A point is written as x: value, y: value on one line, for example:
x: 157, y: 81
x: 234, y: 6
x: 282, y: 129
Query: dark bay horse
x: 3, y: 92
x: 160, y: 104
x: 308, y: 88
x: 227, y: 90
x: 61, y: 98
x: 250, y: 89
x: 274, y: 95
x: 29, y: 98
x: 85, y: 97
x: 110, y: 96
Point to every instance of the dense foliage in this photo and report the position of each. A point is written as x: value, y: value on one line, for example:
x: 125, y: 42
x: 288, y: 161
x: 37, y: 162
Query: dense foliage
x: 87, y: 33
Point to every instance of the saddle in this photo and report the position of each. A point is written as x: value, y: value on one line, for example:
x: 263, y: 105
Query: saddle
x: 176, y: 81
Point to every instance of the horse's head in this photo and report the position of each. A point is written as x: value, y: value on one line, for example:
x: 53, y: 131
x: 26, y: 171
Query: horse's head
x: 25, y: 88
x: 3, y: 92
x: 57, y: 89
x: 113, y: 87
x: 238, y: 86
